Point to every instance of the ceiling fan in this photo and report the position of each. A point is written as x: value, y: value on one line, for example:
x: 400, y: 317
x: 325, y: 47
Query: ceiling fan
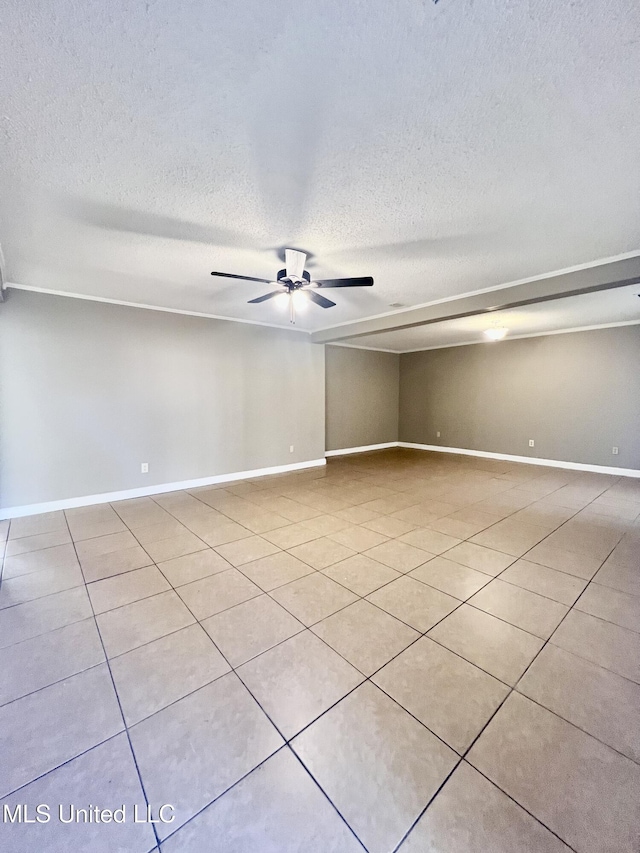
x: 295, y: 281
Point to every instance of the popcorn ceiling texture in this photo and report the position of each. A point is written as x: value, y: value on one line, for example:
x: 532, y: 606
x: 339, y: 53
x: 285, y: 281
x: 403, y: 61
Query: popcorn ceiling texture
x: 440, y: 148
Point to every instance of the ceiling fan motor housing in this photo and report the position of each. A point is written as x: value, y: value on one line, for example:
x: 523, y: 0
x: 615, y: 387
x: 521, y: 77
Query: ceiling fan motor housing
x: 293, y: 283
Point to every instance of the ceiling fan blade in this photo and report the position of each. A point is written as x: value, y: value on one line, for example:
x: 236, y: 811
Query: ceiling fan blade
x: 267, y: 296
x: 243, y: 277
x: 365, y: 281
x: 319, y: 300
x: 294, y: 262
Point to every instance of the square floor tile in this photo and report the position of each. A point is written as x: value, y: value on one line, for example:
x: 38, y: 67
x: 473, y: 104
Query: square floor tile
x: 61, y: 556
x: 175, y: 546
x: 480, y: 558
x: 192, y: 751
x: 358, y: 538
x: 193, y: 567
x: 313, y: 597
x: 608, y: 645
x: 545, y: 581
x: 450, y: 696
x: 455, y: 527
x: 612, y: 605
x: 38, y: 584
x: 291, y: 535
x: 298, y: 680
x: 123, y: 589
x: 105, y: 775
x: 248, y: 629
x: 471, y: 815
x: 102, y: 545
x: 596, y: 700
x: 141, y: 622
x: 527, y: 610
x: 217, y: 592
x: 415, y: 603
x: 47, y: 728
x: 456, y: 580
x: 277, y: 807
x: 36, y: 525
x: 398, y: 555
x: 388, y: 526
x: 579, y: 565
x: 578, y: 787
x: 90, y: 529
x: 218, y: 530
x: 510, y: 536
x: 376, y: 763
x: 114, y: 563
x: 625, y: 578
x: 245, y: 550
x: 357, y: 514
x: 274, y: 571
x: 502, y: 650
x: 39, y: 542
x: 365, y: 635
x: 430, y: 540
x: 40, y: 661
x: 155, y: 675
x: 361, y: 574
x: 44, y: 614
x: 323, y: 525
x: 322, y: 552
x: 167, y: 529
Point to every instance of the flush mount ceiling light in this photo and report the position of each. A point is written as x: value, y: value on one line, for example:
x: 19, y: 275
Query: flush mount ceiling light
x: 496, y: 333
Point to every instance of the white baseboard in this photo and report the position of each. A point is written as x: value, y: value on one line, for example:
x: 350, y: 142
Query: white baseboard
x: 363, y: 449
x: 146, y: 491
x: 527, y: 460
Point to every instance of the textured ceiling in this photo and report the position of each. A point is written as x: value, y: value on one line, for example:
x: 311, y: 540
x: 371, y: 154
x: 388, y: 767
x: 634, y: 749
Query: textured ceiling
x: 440, y: 148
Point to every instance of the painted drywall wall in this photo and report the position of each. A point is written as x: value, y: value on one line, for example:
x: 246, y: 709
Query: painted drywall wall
x: 576, y: 395
x: 89, y: 391
x: 361, y: 397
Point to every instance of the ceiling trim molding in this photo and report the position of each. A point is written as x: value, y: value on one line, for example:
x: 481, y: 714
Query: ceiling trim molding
x: 518, y: 337
x: 87, y: 298
x: 367, y: 349
x: 541, y: 277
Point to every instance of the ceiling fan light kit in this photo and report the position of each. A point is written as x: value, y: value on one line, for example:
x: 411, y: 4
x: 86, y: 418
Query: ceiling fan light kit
x: 294, y: 280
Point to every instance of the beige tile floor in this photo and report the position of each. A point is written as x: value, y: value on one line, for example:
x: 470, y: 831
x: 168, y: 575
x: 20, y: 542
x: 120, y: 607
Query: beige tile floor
x: 405, y: 651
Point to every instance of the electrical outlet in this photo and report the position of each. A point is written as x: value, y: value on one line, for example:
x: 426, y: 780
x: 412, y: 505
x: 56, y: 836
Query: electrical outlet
x: 144, y: 468
x: 532, y: 443
x: 291, y: 448
x: 438, y: 434
x: 614, y: 450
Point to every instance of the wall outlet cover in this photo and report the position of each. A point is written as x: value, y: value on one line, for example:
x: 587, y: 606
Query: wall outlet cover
x: 144, y: 467
x: 532, y: 443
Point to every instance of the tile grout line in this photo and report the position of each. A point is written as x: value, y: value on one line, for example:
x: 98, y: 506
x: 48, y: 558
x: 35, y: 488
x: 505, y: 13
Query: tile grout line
x: 404, y: 574
x: 113, y: 684
x: 284, y: 738
x: 492, y: 717
x: 512, y: 689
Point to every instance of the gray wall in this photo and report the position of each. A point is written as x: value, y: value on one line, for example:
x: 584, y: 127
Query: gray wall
x: 88, y: 391
x: 577, y: 395
x: 362, y: 397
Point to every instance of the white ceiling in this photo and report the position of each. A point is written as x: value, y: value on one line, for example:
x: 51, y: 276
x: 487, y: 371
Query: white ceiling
x: 440, y: 148
x: 576, y: 312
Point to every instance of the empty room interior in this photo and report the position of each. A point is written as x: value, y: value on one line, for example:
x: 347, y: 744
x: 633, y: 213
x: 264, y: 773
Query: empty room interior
x: 320, y: 426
